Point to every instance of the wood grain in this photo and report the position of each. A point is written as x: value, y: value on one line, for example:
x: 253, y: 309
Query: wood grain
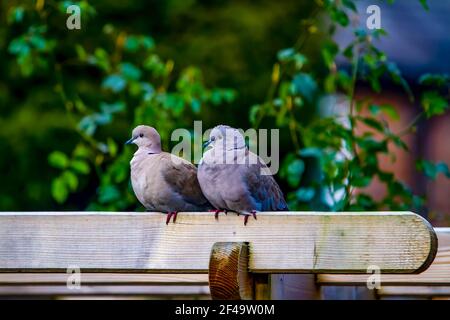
x: 145, y: 290
x: 229, y: 278
x: 408, y: 291
x: 438, y: 274
x: 288, y: 242
x: 104, y: 279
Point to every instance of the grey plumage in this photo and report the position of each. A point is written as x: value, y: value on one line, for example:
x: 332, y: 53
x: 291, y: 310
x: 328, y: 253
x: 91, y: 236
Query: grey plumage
x: 231, y: 176
x: 162, y: 181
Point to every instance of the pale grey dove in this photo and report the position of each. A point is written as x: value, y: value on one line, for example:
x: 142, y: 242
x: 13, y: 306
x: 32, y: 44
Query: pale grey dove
x: 162, y: 181
x: 231, y: 177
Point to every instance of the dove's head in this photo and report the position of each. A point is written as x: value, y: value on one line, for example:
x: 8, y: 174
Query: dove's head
x: 226, y: 138
x: 146, y: 137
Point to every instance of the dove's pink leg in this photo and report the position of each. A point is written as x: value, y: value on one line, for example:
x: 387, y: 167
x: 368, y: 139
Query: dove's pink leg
x: 170, y: 215
x: 253, y: 212
x: 216, y: 212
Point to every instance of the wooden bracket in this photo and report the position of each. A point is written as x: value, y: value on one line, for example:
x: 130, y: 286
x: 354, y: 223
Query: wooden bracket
x: 229, y: 278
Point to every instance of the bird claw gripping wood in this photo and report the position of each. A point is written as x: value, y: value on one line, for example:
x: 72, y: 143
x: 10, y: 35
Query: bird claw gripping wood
x: 170, y: 215
x: 253, y: 213
x: 217, y: 211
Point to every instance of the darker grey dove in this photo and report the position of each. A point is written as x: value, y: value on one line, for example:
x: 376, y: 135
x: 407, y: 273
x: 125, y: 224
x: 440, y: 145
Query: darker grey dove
x: 231, y: 176
x: 162, y: 181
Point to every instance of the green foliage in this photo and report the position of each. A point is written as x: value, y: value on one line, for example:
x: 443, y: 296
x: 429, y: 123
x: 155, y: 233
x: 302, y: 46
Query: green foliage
x: 118, y: 80
x: 339, y: 159
x: 100, y: 81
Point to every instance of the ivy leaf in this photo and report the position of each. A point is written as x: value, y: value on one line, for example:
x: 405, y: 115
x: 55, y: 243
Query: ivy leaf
x: 305, y: 194
x: 133, y: 43
x: 108, y: 194
x: 59, y: 190
x: 112, y: 107
x: 340, y: 17
x: 373, y: 123
x: 438, y: 80
x: 424, y: 4
x: 433, y: 103
x: 70, y: 180
x: 311, y: 152
x: 253, y: 113
x: 114, y: 82
x: 16, y: 15
x: 304, y: 84
x: 129, y: 71
x: 285, y: 54
x: 350, y: 4
x: 112, y: 147
x: 386, y: 108
x: 294, y: 172
x: 80, y: 166
x: 58, y: 159
x: 432, y: 170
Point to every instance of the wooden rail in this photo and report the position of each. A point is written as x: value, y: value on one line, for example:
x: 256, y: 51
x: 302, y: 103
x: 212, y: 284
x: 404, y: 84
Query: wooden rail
x: 288, y: 242
x: 438, y: 274
x: 433, y: 283
x: 123, y: 254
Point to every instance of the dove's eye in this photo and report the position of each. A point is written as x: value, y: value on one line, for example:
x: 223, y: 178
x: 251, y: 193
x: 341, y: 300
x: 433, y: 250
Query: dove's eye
x: 213, y: 138
x: 141, y: 135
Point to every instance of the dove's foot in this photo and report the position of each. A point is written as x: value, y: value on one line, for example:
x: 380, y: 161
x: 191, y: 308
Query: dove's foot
x: 217, y: 211
x: 170, y: 215
x: 253, y: 213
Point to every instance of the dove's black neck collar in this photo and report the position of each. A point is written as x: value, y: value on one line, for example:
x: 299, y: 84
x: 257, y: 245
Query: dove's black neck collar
x: 152, y: 153
x: 237, y: 148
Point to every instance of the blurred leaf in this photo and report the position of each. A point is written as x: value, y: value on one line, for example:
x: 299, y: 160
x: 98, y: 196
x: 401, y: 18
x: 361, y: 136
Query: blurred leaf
x: 70, y: 180
x: 58, y: 159
x: 386, y: 108
x: 432, y: 170
x: 305, y: 85
x: 112, y: 147
x: 80, y: 166
x: 59, y: 190
x: 294, y: 172
x: 424, y: 4
x: 129, y: 71
x: 16, y: 14
x: 305, y: 194
x: 433, y: 103
x: 108, y: 194
x: 114, y: 82
x: 350, y: 4
x: 112, y: 107
x: 438, y: 80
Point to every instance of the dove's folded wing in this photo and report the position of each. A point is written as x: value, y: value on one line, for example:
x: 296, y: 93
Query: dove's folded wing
x: 182, y: 177
x: 264, y: 189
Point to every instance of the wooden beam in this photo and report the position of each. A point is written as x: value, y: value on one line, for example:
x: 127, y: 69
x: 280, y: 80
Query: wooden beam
x: 438, y: 274
x: 104, y: 279
x: 412, y: 291
x: 96, y: 290
x: 288, y: 242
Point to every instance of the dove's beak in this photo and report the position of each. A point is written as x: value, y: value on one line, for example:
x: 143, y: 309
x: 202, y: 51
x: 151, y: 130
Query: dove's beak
x: 206, y: 143
x: 131, y: 141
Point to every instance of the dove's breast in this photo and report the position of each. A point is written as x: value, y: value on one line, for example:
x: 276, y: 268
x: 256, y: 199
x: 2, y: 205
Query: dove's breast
x: 144, y: 180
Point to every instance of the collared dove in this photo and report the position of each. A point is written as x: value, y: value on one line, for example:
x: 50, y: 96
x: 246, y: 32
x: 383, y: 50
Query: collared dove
x: 235, y: 179
x: 162, y: 181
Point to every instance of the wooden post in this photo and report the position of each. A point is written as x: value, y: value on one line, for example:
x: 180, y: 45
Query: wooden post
x: 229, y: 278
x: 261, y: 285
